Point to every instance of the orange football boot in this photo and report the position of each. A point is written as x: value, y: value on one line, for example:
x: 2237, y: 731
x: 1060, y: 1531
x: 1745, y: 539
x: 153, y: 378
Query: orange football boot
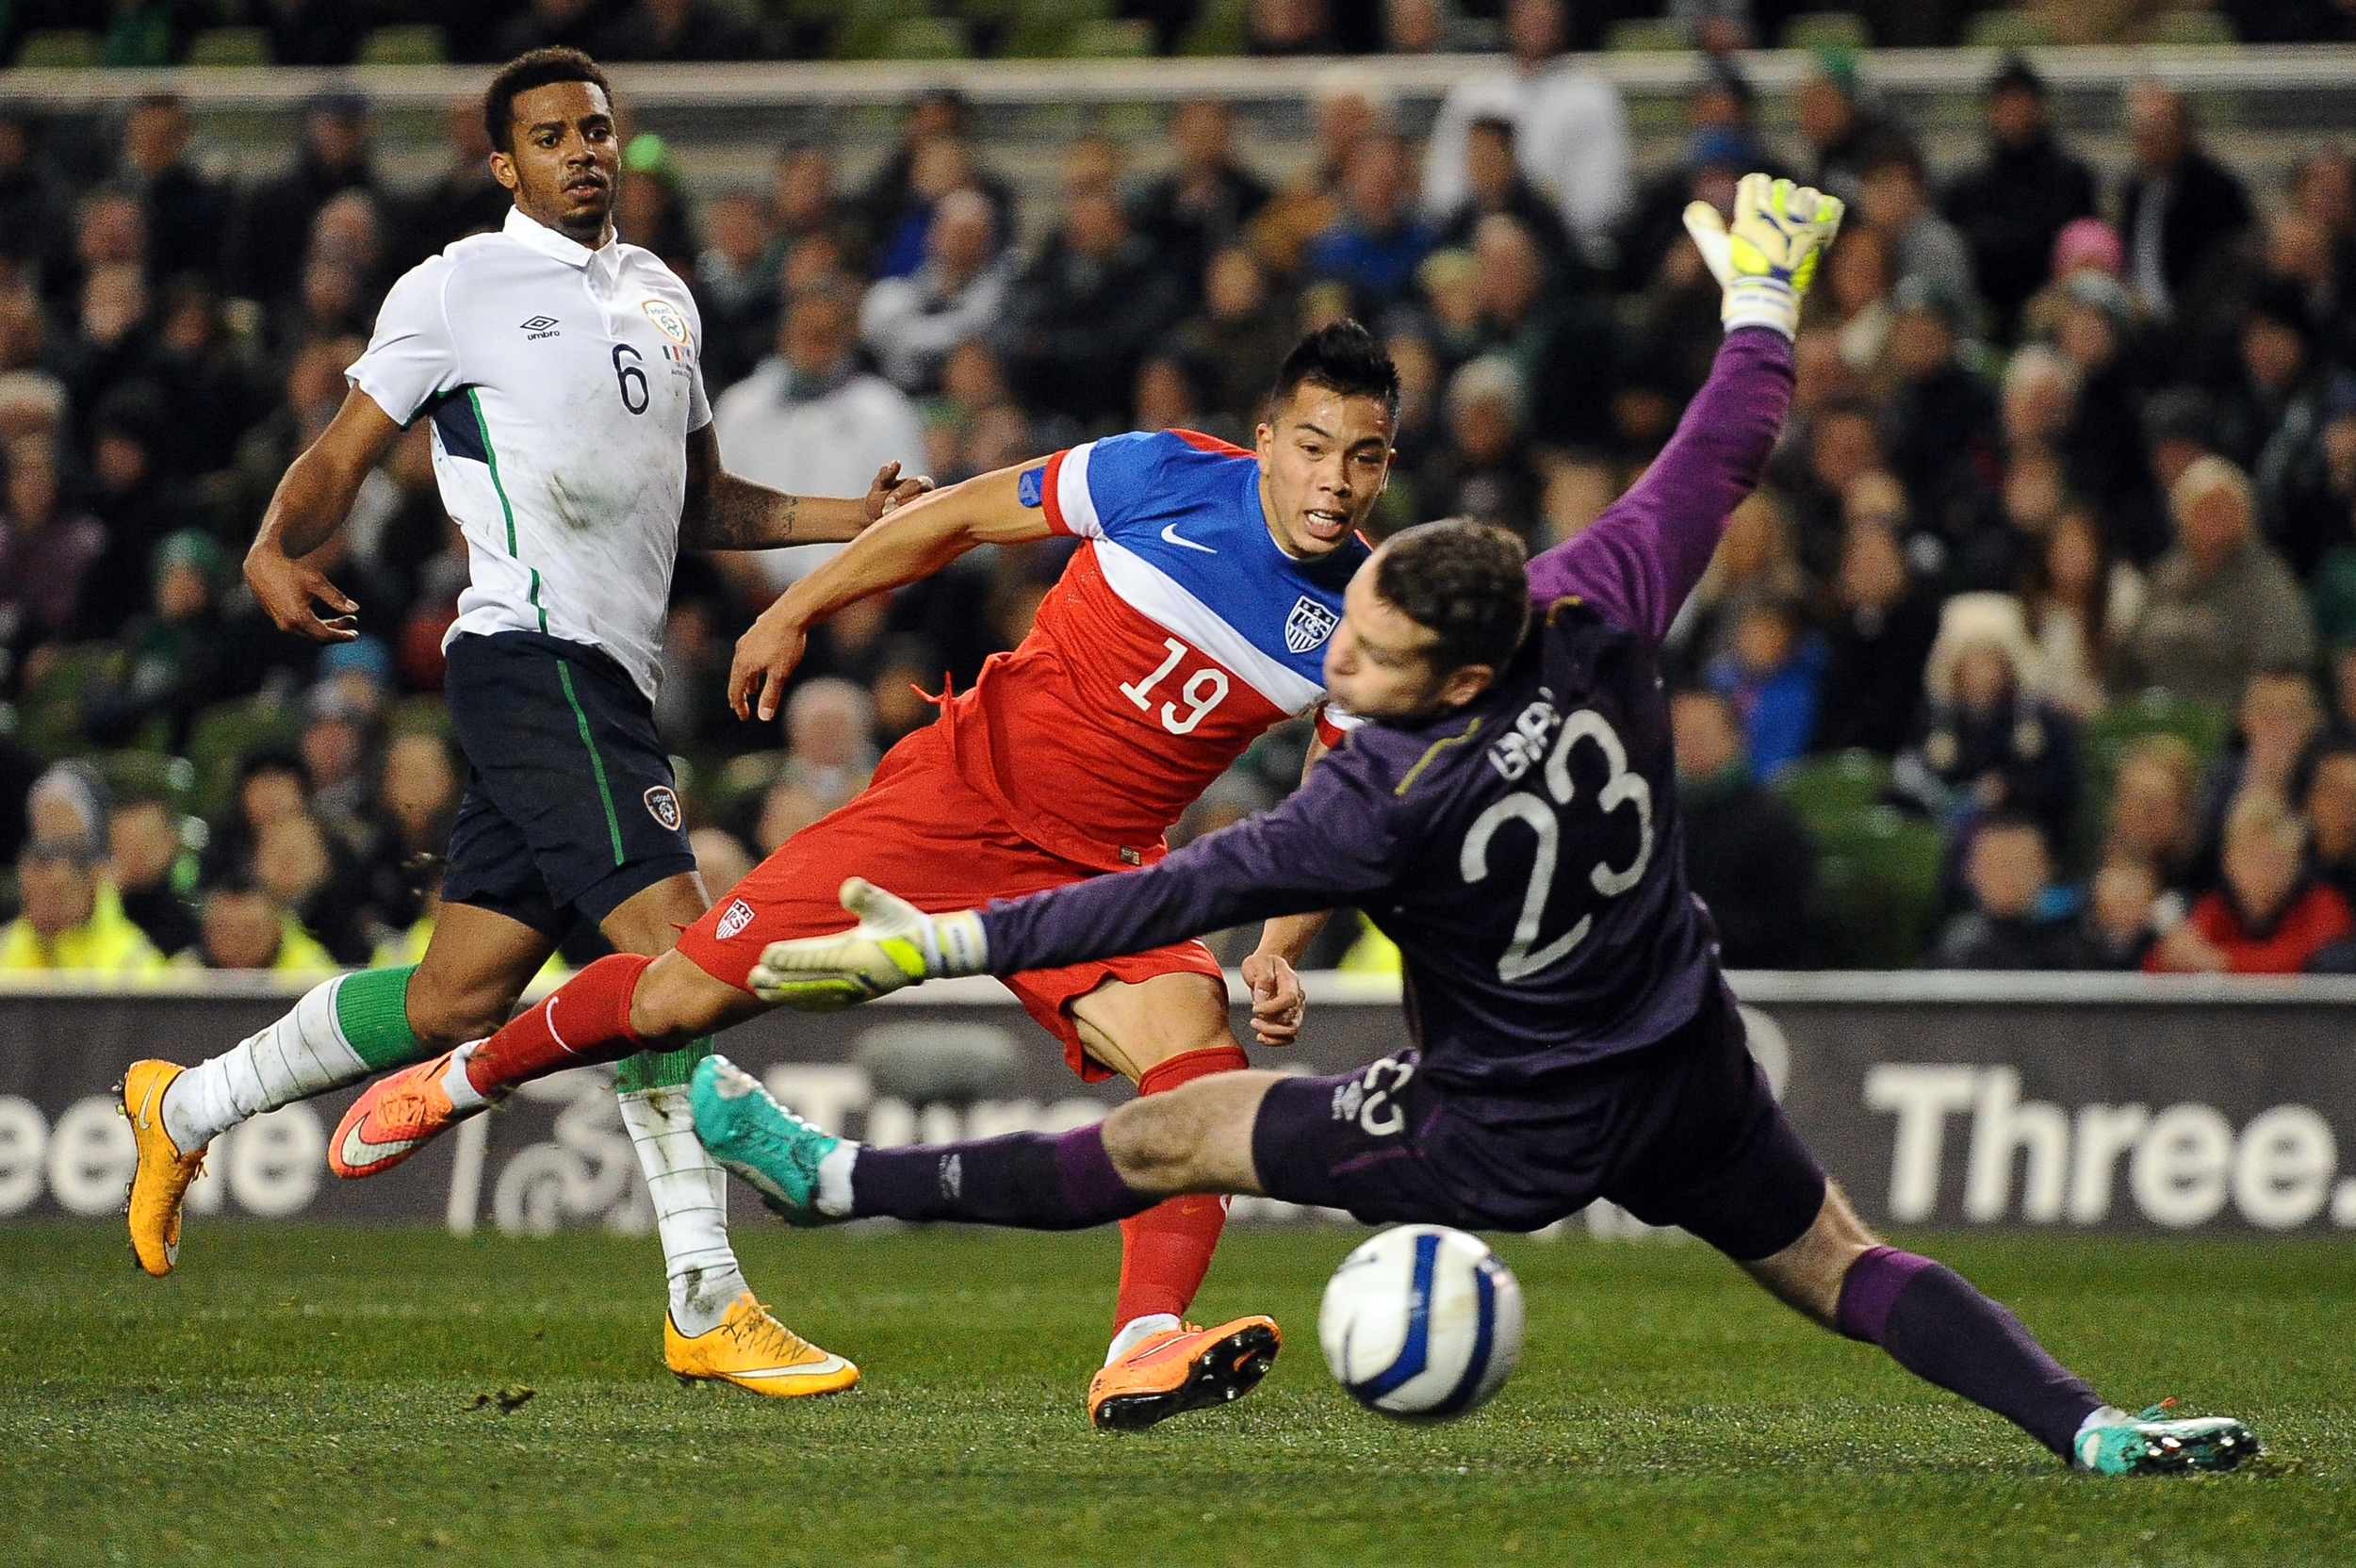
x: 1182, y: 1370
x: 393, y: 1118
x: 163, y: 1174
x: 754, y: 1351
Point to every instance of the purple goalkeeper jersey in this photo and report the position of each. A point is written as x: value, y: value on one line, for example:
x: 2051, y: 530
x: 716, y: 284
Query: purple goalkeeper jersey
x: 1523, y: 851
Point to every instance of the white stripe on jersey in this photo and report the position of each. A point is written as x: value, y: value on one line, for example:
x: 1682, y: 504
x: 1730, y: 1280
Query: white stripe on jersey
x: 1150, y: 592
x: 1072, y: 499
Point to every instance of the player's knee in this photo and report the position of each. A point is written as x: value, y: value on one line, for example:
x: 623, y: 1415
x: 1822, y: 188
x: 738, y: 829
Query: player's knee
x: 675, y: 1002
x: 1154, y: 1143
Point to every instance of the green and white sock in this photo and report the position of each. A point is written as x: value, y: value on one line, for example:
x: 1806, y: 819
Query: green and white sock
x: 690, y: 1191
x: 343, y: 1030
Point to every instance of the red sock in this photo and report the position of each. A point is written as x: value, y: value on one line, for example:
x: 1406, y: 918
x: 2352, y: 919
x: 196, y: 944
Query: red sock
x: 583, y: 1021
x: 1166, y: 1250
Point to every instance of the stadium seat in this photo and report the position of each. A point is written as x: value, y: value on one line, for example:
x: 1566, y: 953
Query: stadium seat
x: 230, y: 46
x: 2007, y: 30
x: 420, y: 715
x: 1044, y: 29
x: 51, y: 708
x: 864, y: 32
x: 1645, y: 35
x: 59, y: 49
x: 1220, y: 28
x: 2201, y: 726
x: 1127, y: 39
x: 1826, y: 29
x: 925, y: 38
x: 2183, y: 29
x: 158, y: 776
x: 405, y: 44
x: 225, y: 735
x: 1829, y: 791
x: 1877, y: 874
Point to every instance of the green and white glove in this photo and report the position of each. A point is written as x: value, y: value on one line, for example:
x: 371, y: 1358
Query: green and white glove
x: 1767, y: 257
x: 894, y: 945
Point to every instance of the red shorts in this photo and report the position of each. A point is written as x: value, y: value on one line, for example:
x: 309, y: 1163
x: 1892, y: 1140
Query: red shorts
x: 922, y: 832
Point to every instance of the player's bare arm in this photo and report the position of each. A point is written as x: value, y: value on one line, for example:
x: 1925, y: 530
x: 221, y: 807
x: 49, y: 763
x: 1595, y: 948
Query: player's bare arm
x: 918, y: 540
x: 311, y: 503
x: 727, y: 512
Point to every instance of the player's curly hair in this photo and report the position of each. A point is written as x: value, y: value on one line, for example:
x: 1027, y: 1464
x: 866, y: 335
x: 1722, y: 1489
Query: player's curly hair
x: 1341, y: 358
x: 535, y: 68
x: 1466, y: 583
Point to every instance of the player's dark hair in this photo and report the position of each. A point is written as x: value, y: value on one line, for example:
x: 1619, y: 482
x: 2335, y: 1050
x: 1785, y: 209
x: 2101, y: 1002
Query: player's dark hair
x: 1342, y: 357
x: 535, y: 68
x: 1465, y: 582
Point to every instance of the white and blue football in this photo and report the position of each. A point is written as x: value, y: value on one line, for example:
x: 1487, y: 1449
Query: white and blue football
x: 1422, y: 1323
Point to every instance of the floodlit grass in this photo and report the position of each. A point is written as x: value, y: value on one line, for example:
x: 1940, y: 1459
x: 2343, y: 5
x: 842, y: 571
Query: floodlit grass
x: 301, y: 1395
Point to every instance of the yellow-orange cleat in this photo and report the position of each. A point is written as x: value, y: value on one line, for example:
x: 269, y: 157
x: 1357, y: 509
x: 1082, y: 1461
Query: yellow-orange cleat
x: 164, y: 1172
x: 754, y: 1351
x: 1182, y: 1370
x: 393, y: 1118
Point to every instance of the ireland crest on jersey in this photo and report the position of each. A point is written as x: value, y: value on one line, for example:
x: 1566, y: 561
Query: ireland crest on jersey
x: 1308, y: 625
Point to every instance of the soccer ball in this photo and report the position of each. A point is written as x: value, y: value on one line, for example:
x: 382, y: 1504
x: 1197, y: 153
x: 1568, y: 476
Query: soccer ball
x: 1421, y: 1323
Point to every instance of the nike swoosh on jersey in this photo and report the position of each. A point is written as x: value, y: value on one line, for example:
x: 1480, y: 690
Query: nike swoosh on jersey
x: 1169, y: 534
x: 359, y: 1153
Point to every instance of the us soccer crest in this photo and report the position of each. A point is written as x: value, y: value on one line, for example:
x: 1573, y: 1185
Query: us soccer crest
x: 1308, y: 625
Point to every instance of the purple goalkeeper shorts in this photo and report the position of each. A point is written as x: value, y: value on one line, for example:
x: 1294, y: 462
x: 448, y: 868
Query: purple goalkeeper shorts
x: 1683, y: 1132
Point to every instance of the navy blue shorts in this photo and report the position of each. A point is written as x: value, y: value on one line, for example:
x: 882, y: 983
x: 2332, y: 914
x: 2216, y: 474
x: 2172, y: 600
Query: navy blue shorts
x: 570, y: 805
x: 1684, y: 1131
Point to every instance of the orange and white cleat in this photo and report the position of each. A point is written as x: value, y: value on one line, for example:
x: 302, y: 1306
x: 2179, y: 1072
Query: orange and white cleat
x: 394, y: 1117
x: 752, y: 1350
x: 1182, y: 1370
x: 162, y: 1177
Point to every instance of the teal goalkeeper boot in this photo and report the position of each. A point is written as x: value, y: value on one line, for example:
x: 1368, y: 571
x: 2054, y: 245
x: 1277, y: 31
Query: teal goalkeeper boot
x: 2145, y: 1445
x: 753, y: 1135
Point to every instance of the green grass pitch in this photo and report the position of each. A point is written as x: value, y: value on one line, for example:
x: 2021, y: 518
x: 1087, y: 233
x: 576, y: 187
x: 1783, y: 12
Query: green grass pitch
x: 301, y: 1395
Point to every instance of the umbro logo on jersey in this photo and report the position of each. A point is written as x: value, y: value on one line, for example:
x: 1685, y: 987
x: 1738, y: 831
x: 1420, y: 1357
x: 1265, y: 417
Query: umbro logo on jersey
x: 1308, y: 625
x: 540, y: 326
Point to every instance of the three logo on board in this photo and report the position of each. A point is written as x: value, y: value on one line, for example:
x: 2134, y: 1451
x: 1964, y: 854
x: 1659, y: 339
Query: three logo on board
x: 1308, y: 625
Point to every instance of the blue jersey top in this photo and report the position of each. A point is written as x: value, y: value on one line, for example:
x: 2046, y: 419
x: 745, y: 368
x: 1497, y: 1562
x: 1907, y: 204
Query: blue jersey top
x: 1523, y: 851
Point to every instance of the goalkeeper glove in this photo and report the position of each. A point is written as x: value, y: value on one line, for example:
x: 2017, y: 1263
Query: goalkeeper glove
x: 894, y: 945
x: 1766, y: 258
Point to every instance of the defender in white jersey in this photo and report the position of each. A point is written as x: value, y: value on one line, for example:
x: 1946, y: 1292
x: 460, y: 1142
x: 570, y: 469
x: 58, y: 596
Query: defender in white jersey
x: 573, y: 444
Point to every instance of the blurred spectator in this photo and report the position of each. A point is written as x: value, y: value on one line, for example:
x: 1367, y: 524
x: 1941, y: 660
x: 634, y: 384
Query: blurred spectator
x: 720, y: 860
x: 36, y: 209
x: 678, y: 30
x: 2124, y: 906
x: 187, y: 214
x: 810, y: 422
x: 830, y: 747
x: 736, y: 288
x: 1772, y: 674
x: 1722, y: 145
x: 2326, y: 796
x: 1570, y: 130
x: 2153, y: 817
x: 1858, y: 281
x: 2221, y: 605
x: 1204, y: 204
x: 1753, y: 565
x: 2278, y: 719
x: 311, y: 32
x: 1083, y: 313
x: 73, y: 918
x: 2084, y: 245
x: 2011, y: 924
x: 1882, y: 631
x: 2077, y: 595
x: 1170, y: 395
x: 315, y: 880
x: 1943, y: 431
x: 2010, y: 208
x: 2271, y: 915
x: 134, y: 504
x: 175, y: 657
x: 2105, y: 448
x: 1243, y: 335
x: 2182, y: 209
x: 244, y: 927
x: 201, y: 393
x: 549, y: 23
x: 1486, y: 471
x: 334, y: 746
x: 786, y: 809
x: 144, y: 849
x: 1836, y: 124
x: 265, y: 253
x: 416, y: 800
x: 910, y: 323
x: 464, y: 198
x: 650, y: 205
x: 1495, y: 183
x: 933, y: 159
x: 2270, y: 423
x: 1566, y: 349
x: 1749, y: 859
x: 1373, y: 248
x: 1988, y: 742
x: 1893, y: 196
x: 46, y: 551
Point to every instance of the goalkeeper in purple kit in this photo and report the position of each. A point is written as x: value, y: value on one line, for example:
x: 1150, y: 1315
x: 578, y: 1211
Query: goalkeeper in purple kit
x: 1508, y: 817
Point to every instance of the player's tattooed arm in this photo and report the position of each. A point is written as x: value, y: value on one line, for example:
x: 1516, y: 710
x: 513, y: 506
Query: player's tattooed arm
x: 1278, y: 1001
x: 725, y: 511
x: 311, y: 502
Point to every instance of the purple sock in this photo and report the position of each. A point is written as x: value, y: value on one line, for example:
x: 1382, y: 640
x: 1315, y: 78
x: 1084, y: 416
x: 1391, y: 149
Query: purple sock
x: 1937, y: 1326
x: 1033, y: 1180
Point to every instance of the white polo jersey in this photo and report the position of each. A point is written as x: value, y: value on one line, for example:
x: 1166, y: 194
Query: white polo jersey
x: 563, y: 383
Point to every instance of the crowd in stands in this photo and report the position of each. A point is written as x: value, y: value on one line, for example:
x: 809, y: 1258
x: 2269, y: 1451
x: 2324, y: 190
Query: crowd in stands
x: 132, y: 33
x: 2037, y: 649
